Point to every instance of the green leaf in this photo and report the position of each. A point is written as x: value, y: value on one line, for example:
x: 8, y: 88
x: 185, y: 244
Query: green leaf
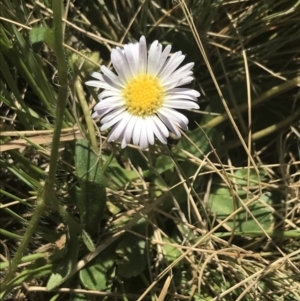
x: 241, y: 177
x: 91, y: 198
x: 95, y: 275
x: 119, y: 175
x: 172, y: 253
x: 164, y: 163
x: 132, y: 251
x: 222, y: 205
x: 86, y: 67
x: 200, y: 138
x: 88, y: 241
x: 42, y: 34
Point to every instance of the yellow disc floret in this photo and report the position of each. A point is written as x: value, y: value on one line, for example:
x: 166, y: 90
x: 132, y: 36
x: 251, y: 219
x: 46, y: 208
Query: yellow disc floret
x: 143, y: 95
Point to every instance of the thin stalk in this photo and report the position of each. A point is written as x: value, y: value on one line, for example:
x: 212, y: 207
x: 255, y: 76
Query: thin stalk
x: 25, y: 259
x: 61, y: 98
x: 10, y: 234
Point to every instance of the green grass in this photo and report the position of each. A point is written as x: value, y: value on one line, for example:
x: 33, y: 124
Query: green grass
x: 212, y: 216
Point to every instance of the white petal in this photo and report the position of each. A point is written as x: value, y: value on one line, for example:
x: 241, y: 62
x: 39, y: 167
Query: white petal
x: 120, y: 127
x: 137, y: 131
x: 143, y: 136
x: 153, y: 56
x: 184, y: 68
x: 103, y: 85
x: 112, y: 100
x: 142, y: 55
x: 123, y: 144
x: 185, y: 81
x: 97, y: 75
x: 111, y: 133
x: 149, y: 128
x: 129, y: 129
x: 172, y: 78
x: 108, y: 93
x: 179, y: 97
x: 102, y: 112
x: 187, y: 91
x: 173, y: 62
x: 113, y: 77
x: 175, y: 116
x: 112, y: 118
x: 120, y: 64
x: 103, y: 107
x: 161, y: 126
x: 156, y: 127
x: 106, y: 108
x: 95, y: 115
x: 132, y: 59
x: 162, y: 59
x: 117, y: 85
x: 135, y: 52
x: 185, y: 105
x: 172, y: 127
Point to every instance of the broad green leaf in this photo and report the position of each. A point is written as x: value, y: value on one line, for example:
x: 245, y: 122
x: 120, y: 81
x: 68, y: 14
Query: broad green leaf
x: 119, y: 175
x: 163, y: 163
x: 91, y: 198
x: 241, y: 176
x: 222, y: 205
x: 96, y: 274
x: 76, y: 61
x: 133, y: 258
x: 132, y: 250
x: 172, y: 253
x: 201, y: 139
x: 42, y: 34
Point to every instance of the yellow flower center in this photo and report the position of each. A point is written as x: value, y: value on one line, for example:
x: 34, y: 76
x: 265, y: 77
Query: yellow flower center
x: 143, y: 95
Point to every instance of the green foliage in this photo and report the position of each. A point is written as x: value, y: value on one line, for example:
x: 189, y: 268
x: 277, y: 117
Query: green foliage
x: 42, y: 34
x: 98, y: 275
x: 256, y: 216
x: 91, y: 197
x: 133, y: 257
x: 132, y: 253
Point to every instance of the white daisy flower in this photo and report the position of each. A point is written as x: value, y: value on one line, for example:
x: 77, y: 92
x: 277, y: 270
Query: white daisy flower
x: 140, y: 101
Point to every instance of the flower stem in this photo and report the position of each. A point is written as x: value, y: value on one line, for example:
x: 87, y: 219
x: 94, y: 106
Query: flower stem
x: 61, y: 99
